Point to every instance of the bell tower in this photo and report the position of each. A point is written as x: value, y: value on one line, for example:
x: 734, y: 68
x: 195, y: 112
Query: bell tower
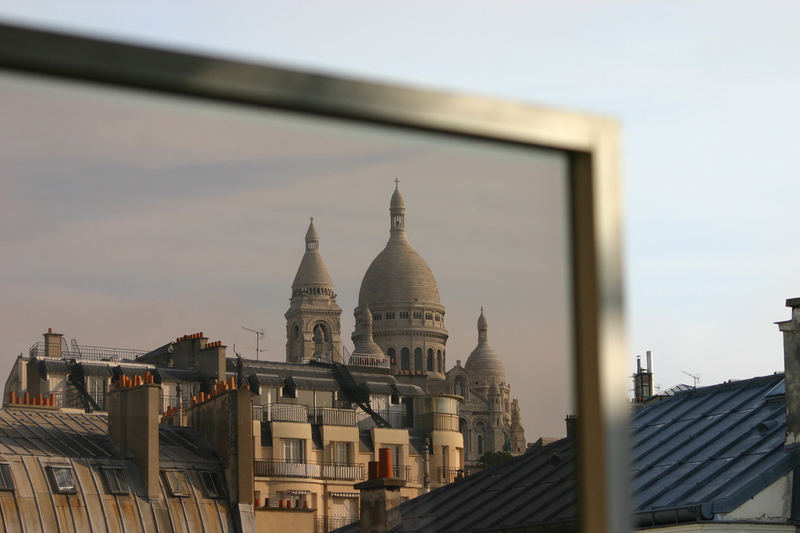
x: 313, y: 327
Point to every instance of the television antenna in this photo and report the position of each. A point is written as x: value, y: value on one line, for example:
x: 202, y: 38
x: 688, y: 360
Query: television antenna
x: 695, y: 378
x: 259, y: 334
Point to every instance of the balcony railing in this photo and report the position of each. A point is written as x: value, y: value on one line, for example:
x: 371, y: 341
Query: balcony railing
x: 329, y: 523
x: 436, y: 422
x: 167, y: 401
x: 281, y: 412
x: 72, y: 399
x: 448, y: 475
x: 370, y: 361
x: 402, y: 472
x: 92, y: 353
x: 279, y: 468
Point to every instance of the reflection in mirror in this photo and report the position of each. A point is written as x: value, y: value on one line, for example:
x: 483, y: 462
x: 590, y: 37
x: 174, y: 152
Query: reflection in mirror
x: 130, y: 219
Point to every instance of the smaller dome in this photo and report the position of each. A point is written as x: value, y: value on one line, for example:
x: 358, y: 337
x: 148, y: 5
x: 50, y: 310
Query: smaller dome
x: 365, y: 345
x: 312, y: 271
x: 483, y: 361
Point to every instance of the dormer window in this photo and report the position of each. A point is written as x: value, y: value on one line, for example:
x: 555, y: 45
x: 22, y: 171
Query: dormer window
x: 61, y: 479
x: 6, y: 480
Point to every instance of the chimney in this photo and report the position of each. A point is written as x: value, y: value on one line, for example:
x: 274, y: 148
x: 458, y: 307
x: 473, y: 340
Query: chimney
x: 791, y: 365
x: 133, y: 425
x: 643, y: 379
x: 572, y: 426
x: 380, y: 496
x: 52, y: 343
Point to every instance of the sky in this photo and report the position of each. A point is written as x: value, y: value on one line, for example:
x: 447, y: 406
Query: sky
x: 705, y: 94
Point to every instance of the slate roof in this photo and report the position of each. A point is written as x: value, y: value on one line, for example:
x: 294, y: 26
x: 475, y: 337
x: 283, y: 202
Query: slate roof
x: 695, y: 454
x: 35, y: 439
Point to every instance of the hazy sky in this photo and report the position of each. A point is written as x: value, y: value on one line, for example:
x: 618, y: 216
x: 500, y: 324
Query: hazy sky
x: 706, y: 94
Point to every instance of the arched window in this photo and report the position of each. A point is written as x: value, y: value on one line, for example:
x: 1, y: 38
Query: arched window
x: 479, y: 435
x: 391, y: 355
x: 296, y: 333
x: 440, y: 360
x: 418, y: 364
x: 405, y: 359
x: 430, y: 359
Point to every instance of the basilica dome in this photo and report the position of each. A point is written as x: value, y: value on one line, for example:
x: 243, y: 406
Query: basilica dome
x: 483, y: 361
x: 398, y: 275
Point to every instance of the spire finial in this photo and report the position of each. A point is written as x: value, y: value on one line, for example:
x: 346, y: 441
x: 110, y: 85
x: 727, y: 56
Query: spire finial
x: 396, y: 184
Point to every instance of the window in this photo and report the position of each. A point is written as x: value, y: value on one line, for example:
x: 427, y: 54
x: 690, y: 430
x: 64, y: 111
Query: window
x: 430, y: 359
x: 440, y: 357
x: 428, y: 316
x: 341, y: 452
x: 176, y: 483
x: 390, y: 353
x: 376, y: 316
x: 6, y: 481
x: 390, y: 315
x: 62, y: 479
x: 212, y: 484
x: 418, y: 365
x: 293, y: 450
x: 405, y: 359
x: 403, y: 314
x: 417, y: 314
x: 296, y: 332
x: 116, y: 480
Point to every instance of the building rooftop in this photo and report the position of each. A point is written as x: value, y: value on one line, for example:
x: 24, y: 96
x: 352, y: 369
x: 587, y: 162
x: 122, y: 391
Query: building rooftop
x: 696, y: 454
x: 33, y: 441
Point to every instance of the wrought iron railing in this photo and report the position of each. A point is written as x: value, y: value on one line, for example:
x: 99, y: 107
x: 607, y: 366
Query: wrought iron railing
x: 324, y: 524
x: 370, y: 361
x: 92, y: 353
x: 280, y: 468
x: 167, y: 401
x: 72, y: 399
x: 448, y: 475
x: 402, y: 472
x: 281, y: 412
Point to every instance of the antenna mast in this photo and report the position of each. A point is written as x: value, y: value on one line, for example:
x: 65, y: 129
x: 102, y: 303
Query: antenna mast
x: 259, y: 333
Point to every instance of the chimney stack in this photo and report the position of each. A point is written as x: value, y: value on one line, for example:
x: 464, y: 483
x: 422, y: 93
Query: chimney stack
x: 380, y: 496
x: 52, y: 343
x: 791, y: 365
x: 133, y: 425
x: 643, y: 379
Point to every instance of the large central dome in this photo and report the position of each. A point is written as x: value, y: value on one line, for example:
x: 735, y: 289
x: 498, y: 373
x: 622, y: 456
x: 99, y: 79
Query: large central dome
x: 398, y: 274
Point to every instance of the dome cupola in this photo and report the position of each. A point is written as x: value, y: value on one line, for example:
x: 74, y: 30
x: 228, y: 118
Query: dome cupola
x: 483, y: 361
x: 312, y: 271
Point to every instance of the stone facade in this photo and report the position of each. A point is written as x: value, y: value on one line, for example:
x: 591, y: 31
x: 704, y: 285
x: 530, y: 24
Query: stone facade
x: 400, y: 318
x: 489, y: 419
x: 313, y: 327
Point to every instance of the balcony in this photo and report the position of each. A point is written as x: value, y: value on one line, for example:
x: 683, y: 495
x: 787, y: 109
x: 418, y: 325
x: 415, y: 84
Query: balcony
x: 369, y: 361
x: 436, y: 422
x: 72, y: 399
x: 448, y: 475
x: 329, y: 523
x: 284, y: 412
x: 402, y: 472
x: 280, y: 468
x: 92, y: 353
